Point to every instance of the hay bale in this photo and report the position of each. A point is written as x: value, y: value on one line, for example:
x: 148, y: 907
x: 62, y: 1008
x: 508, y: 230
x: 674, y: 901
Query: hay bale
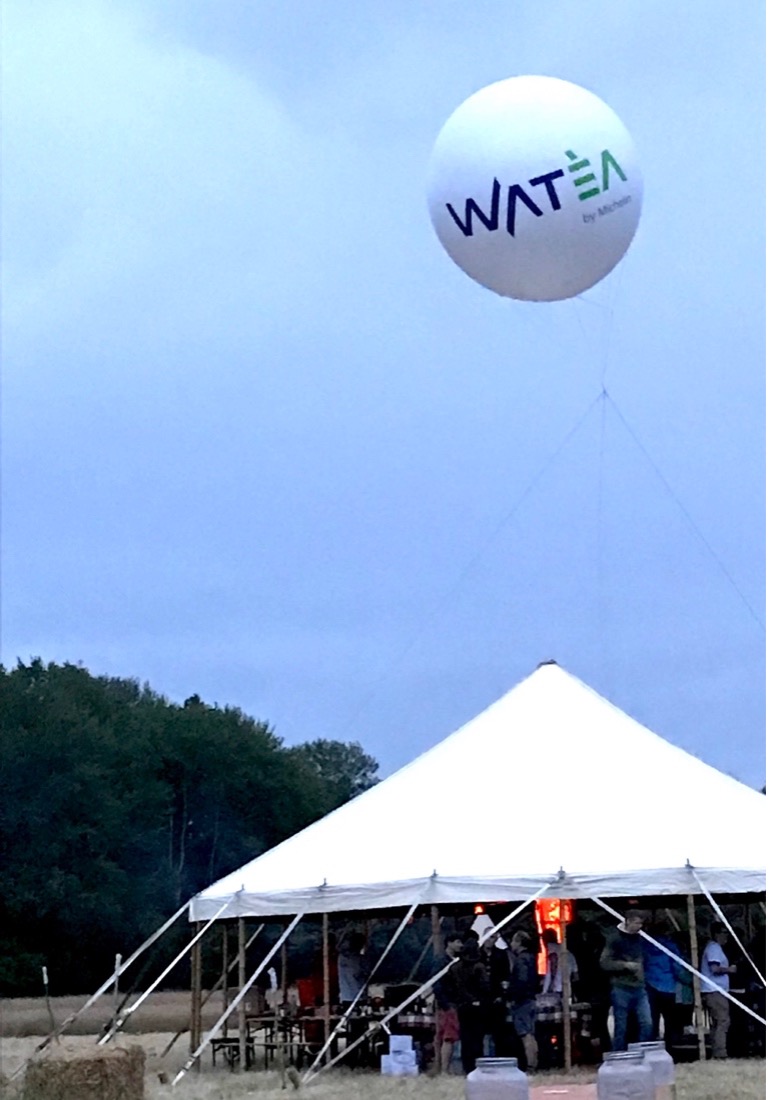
x: 115, y: 1074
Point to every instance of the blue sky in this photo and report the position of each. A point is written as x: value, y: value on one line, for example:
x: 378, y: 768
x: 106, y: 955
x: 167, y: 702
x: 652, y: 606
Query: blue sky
x: 264, y: 442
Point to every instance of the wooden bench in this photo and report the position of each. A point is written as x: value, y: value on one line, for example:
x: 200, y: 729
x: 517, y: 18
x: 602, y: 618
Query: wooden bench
x: 230, y: 1049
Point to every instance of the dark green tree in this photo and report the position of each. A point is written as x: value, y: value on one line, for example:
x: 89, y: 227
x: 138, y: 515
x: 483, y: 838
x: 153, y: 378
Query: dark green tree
x: 344, y: 768
x: 117, y: 805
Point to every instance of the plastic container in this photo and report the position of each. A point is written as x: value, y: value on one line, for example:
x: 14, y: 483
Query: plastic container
x: 403, y: 1057
x: 497, y: 1079
x: 400, y: 1042
x: 625, y: 1075
x: 662, y: 1065
x: 392, y: 1068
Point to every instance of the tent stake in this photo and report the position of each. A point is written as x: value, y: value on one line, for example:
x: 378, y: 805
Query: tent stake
x: 695, y: 961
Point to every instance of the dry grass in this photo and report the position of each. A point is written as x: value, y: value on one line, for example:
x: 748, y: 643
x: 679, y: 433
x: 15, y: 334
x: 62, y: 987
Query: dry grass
x: 731, y: 1080
x: 160, y: 1012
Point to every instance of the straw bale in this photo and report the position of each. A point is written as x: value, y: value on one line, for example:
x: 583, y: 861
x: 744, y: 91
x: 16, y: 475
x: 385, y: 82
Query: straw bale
x: 115, y: 1074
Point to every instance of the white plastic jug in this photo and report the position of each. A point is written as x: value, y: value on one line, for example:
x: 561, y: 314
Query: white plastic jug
x: 662, y: 1065
x: 497, y: 1079
x: 624, y: 1075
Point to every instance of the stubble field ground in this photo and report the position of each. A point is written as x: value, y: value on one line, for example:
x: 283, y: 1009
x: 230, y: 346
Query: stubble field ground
x: 24, y: 1022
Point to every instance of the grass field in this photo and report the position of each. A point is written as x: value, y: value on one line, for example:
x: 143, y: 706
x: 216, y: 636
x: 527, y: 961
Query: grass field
x: 22, y: 1023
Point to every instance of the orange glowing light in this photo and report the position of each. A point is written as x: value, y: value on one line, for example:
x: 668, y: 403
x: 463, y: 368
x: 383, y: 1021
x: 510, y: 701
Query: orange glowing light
x: 549, y: 913
x: 478, y: 909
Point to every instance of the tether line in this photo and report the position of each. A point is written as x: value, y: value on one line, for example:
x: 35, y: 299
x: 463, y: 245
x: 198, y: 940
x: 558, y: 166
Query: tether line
x: 723, y: 569
x: 431, y: 616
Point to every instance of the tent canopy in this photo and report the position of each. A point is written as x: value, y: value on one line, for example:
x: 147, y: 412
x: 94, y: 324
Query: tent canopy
x: 551, y: 786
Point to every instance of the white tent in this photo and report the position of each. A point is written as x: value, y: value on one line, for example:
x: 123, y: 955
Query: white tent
x: 551, y: 786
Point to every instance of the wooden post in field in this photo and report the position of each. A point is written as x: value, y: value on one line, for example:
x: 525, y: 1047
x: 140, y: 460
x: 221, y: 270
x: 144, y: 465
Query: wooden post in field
x: 695, y: 964
x: 48, y: 1004
x: 225, y: 989
x: 195, y: 994
x: 242, y: 1003
x: 566, y: 987
x: 115, y: 988
x: 327, y: 983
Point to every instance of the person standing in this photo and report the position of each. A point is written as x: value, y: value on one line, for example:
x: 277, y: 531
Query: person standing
x: 496, y: 1027
x: 715, y: 971
x: 552, y: 982
x: 351, y: 967
x: 660, y: 974
x: 623, y: 959
x: 447, y: 1021
x: 472, y: 1000
x: 522, y: 992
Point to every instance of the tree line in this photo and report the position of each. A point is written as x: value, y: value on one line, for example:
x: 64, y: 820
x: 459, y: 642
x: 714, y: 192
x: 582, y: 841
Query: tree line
x: 117, y: 805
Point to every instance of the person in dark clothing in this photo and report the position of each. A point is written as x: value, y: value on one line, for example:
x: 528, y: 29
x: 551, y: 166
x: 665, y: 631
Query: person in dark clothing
x: 472, y: 996
x: 594, y: 985
x: 661, y: 973
x: 623, y: 959
x: 446, y: 993
x: 522, y: 992
x: 496, y: 1025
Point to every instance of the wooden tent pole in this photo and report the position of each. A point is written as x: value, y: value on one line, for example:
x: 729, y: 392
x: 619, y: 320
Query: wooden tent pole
x: 566, y: 987
x: 242, y: 1002
x: 223, y: 979
x: 327, y: 983
x: 695, y: 963
x: 195, y: 994
x: 435, y: 929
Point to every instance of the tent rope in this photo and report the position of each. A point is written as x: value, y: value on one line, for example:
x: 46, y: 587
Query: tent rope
x: 236, y: 1000
x: 424, y: 987
x: 704, y: 890
x: 102, y: 988
x: 681, y: 962
x: 344, y: 1018
x: 118, y: 1024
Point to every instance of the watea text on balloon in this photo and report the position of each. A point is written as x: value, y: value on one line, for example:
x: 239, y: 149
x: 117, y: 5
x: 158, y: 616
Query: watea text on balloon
x: 587, y: 185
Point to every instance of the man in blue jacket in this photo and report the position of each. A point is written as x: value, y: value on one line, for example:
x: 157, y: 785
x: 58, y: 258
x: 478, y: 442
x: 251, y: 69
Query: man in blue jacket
x: 661, y: 974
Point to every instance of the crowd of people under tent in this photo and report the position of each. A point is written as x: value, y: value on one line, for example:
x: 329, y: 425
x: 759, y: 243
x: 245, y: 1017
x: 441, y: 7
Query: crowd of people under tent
x: 487, y: 1003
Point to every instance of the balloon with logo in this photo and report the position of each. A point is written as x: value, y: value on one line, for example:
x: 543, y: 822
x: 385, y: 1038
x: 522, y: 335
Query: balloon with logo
x: 534, y: 188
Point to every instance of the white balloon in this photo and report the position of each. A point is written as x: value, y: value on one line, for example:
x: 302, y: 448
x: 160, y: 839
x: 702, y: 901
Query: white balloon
x: 534, y: 188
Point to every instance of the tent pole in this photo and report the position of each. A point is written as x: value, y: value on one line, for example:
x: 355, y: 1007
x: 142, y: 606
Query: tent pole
x: 343, y: 1019
x: 210, y: 993
x: 327, y: 983
x: 116, y: 1025
x: 423, y: 988
x: 223, y: 979
x: 566, y: 987
x: 195, y: 991
x: 696, y: 988
x: 435, y: 930
x: 712, y: 901
x: 683, y: 962
x: 242, y: 1003
x: 235, y: 1003
x: 102, y: 988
